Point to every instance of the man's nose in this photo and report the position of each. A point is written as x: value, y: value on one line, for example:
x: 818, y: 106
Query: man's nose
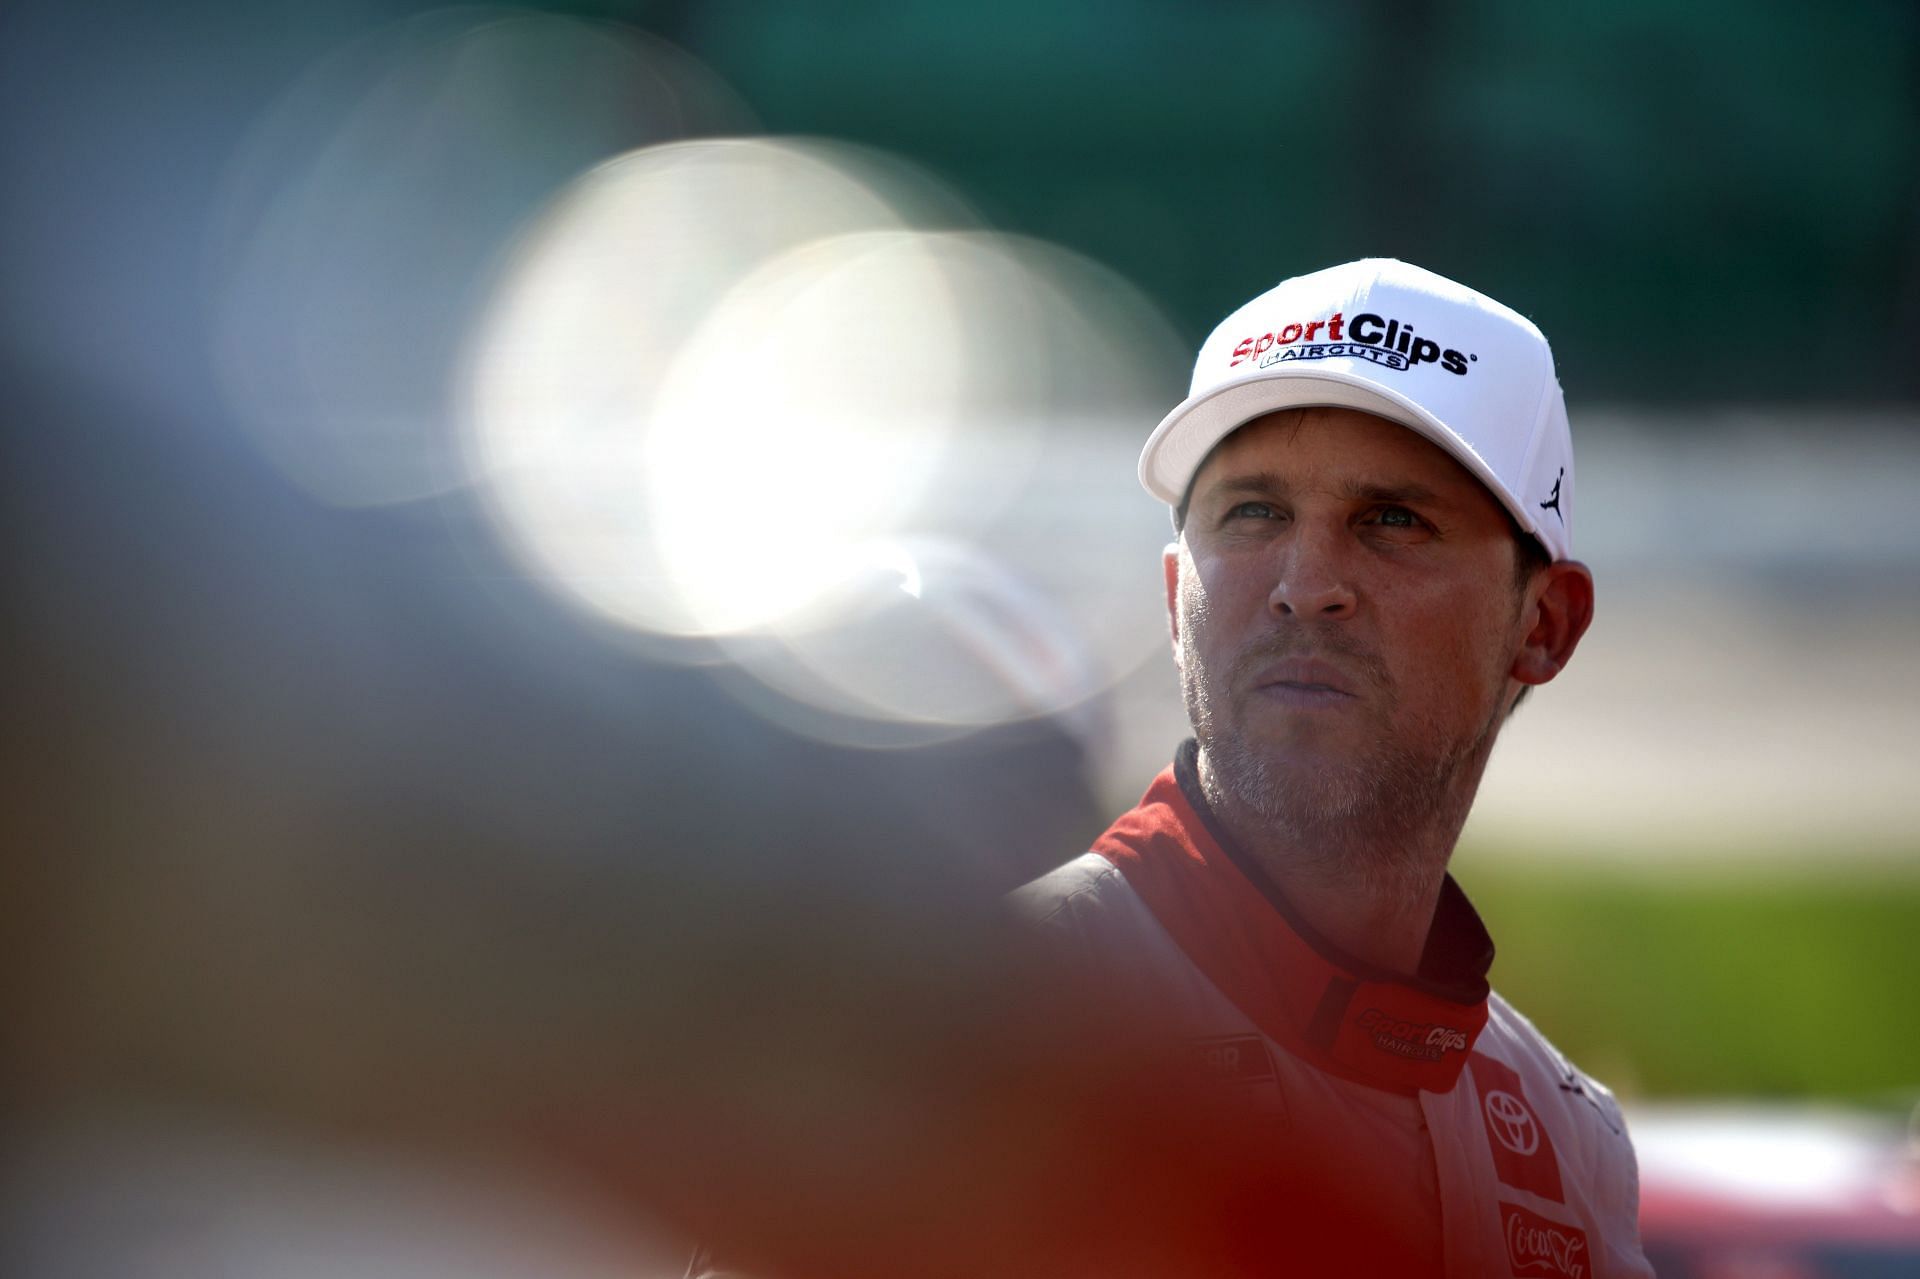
x: 1314, y: 580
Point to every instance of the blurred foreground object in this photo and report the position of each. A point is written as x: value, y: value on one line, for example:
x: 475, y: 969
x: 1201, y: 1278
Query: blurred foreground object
x: 138, y: 1195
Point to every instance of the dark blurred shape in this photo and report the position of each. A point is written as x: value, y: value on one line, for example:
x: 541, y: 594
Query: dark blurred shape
x: 185, y: 1194
x: 296, y: 839
x: 325, y: 824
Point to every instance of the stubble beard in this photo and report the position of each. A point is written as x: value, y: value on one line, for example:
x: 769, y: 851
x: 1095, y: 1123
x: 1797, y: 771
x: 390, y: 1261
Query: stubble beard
x: 1383, y: 822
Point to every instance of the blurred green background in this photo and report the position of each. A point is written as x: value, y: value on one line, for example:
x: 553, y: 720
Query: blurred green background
x: 1700, y: 983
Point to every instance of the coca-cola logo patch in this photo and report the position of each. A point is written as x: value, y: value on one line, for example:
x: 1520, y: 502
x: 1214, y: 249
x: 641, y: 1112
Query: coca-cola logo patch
x: 1539, y: 1246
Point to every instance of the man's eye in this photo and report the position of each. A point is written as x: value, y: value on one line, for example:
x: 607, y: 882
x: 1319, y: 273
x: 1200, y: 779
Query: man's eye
x: 1252, y: 511
x: 1396, y: 517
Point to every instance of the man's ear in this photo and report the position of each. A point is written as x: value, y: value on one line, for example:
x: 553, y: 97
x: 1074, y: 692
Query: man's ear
x: 1559, y: 615
x: 1170, y: 567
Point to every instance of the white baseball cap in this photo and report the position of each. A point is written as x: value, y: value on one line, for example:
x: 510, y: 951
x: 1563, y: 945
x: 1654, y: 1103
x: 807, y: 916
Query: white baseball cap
x: 1392, y: 339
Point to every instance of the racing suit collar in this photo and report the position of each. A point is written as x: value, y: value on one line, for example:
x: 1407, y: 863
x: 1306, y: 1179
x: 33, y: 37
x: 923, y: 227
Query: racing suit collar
x: 1458, y: 952
x: 1399, y: 1032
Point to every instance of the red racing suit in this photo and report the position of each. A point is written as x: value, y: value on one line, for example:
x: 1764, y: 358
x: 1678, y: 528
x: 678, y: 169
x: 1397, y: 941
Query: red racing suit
x: 1469, y: 1145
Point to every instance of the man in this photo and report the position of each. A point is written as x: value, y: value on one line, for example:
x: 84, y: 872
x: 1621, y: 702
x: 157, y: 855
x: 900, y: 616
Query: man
x: 1372, y: 492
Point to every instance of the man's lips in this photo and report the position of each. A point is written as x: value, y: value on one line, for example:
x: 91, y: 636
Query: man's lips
x: 1304, y: 679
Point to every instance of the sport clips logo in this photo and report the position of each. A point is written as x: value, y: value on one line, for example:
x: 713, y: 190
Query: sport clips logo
x: 1369, y: 337
x: 1421, y: 1041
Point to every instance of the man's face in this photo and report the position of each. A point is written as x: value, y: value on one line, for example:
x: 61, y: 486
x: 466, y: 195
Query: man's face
x: 1345, y: 618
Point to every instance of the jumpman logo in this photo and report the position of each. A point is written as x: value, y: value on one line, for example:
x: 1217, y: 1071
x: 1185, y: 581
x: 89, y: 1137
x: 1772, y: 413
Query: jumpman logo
x: 1553, y: 502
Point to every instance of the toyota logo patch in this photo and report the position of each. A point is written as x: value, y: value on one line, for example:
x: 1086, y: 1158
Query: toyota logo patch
x: 1512, y: 1123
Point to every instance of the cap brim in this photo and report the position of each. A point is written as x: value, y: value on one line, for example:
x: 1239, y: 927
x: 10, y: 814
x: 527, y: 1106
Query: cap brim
x: 1183, y: 439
